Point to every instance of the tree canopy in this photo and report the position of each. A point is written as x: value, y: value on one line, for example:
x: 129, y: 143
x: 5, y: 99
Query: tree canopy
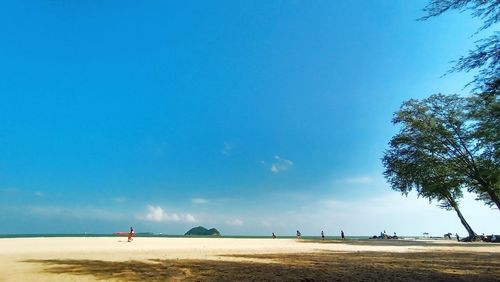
x: 487, y: 10
x: 447, y: 143
x: 425, y: 154
x: 484, y: 114
x: 486, y: 55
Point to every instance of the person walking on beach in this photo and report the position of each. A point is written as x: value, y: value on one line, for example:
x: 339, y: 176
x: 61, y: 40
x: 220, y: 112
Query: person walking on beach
x: 342, y: 234
x: 131, y: 234
x: 274, y: 236
x: 299, y: 236
x: 322, y: 235
x: 458, y: 237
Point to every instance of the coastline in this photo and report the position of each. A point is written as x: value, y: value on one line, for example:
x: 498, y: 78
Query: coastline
x: 160, y: 235
x: 30, y: 259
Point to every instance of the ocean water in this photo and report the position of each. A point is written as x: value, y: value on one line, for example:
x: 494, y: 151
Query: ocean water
x: 151, y: 235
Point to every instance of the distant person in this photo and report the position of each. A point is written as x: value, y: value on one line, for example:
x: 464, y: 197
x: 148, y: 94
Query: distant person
x: 322, y: 235
x: 299, y: 236
x: 342, y: 234
x: 131, y: 234
x: 274, y: 236
x: 458, y: 237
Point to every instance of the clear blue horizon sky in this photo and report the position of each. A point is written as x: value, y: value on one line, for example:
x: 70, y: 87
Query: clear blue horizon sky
x: 250, y: 116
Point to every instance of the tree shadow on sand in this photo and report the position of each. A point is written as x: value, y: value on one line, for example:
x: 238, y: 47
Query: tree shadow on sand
x: 325, y: 266
x: 410, y: 243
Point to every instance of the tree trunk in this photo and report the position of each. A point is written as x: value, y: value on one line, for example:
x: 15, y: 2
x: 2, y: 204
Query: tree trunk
x: 454, y: 204
x: 494, y: 198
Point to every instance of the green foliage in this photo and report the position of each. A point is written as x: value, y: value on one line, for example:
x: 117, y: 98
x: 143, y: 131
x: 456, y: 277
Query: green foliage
x: 202, y: 231
x: 486, y: 55
x: 486, y: 58
x: 443, y: 145
x: 487, y: 10
x: 484, y: 112
x: 447, y: 143
x: 419, y: 157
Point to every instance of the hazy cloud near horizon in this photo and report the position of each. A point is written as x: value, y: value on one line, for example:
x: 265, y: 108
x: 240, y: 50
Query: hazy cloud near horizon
x: 200, y: 201
x: 364, y: 216
x: 158, y: 214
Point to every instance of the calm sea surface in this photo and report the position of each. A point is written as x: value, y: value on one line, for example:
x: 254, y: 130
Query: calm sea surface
x: 173, y: 236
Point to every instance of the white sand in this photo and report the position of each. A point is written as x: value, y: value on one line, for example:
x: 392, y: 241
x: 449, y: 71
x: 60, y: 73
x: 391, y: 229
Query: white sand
x: 14, y: 251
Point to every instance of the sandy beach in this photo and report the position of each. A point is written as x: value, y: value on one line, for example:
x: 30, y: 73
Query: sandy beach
x: 229, y: 259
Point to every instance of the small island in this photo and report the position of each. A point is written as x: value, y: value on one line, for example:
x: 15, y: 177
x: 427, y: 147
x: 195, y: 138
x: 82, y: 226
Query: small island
x: 202, y: 231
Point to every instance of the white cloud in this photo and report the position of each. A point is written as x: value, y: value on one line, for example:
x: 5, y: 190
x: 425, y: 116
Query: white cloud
x: 227, y: 149
x: 119, y: 200
x: 199, y: 201
x: 189, y: 218
x: 234, y: 222
x: 9, y: 190
x: 158, y: 214
x: 339, y: 205
x: 266, y: 223
x: 48, y: 210
x: 373, y: 180
x: 280, y: 164
x: 87, y: 212
x: 359, y: 180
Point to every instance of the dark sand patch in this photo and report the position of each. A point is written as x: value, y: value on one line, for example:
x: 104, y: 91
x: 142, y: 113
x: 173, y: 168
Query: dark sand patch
x: 326, y: 266
x: 411, y: 243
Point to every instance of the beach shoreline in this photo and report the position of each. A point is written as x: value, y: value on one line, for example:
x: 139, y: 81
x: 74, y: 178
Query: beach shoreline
x: 30, y: 259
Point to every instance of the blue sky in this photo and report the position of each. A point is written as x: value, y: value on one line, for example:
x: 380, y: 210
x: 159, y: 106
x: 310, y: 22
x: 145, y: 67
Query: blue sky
x: 247, y: 116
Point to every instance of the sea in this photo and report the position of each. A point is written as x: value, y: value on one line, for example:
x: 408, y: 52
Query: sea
x: 153, y: 235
